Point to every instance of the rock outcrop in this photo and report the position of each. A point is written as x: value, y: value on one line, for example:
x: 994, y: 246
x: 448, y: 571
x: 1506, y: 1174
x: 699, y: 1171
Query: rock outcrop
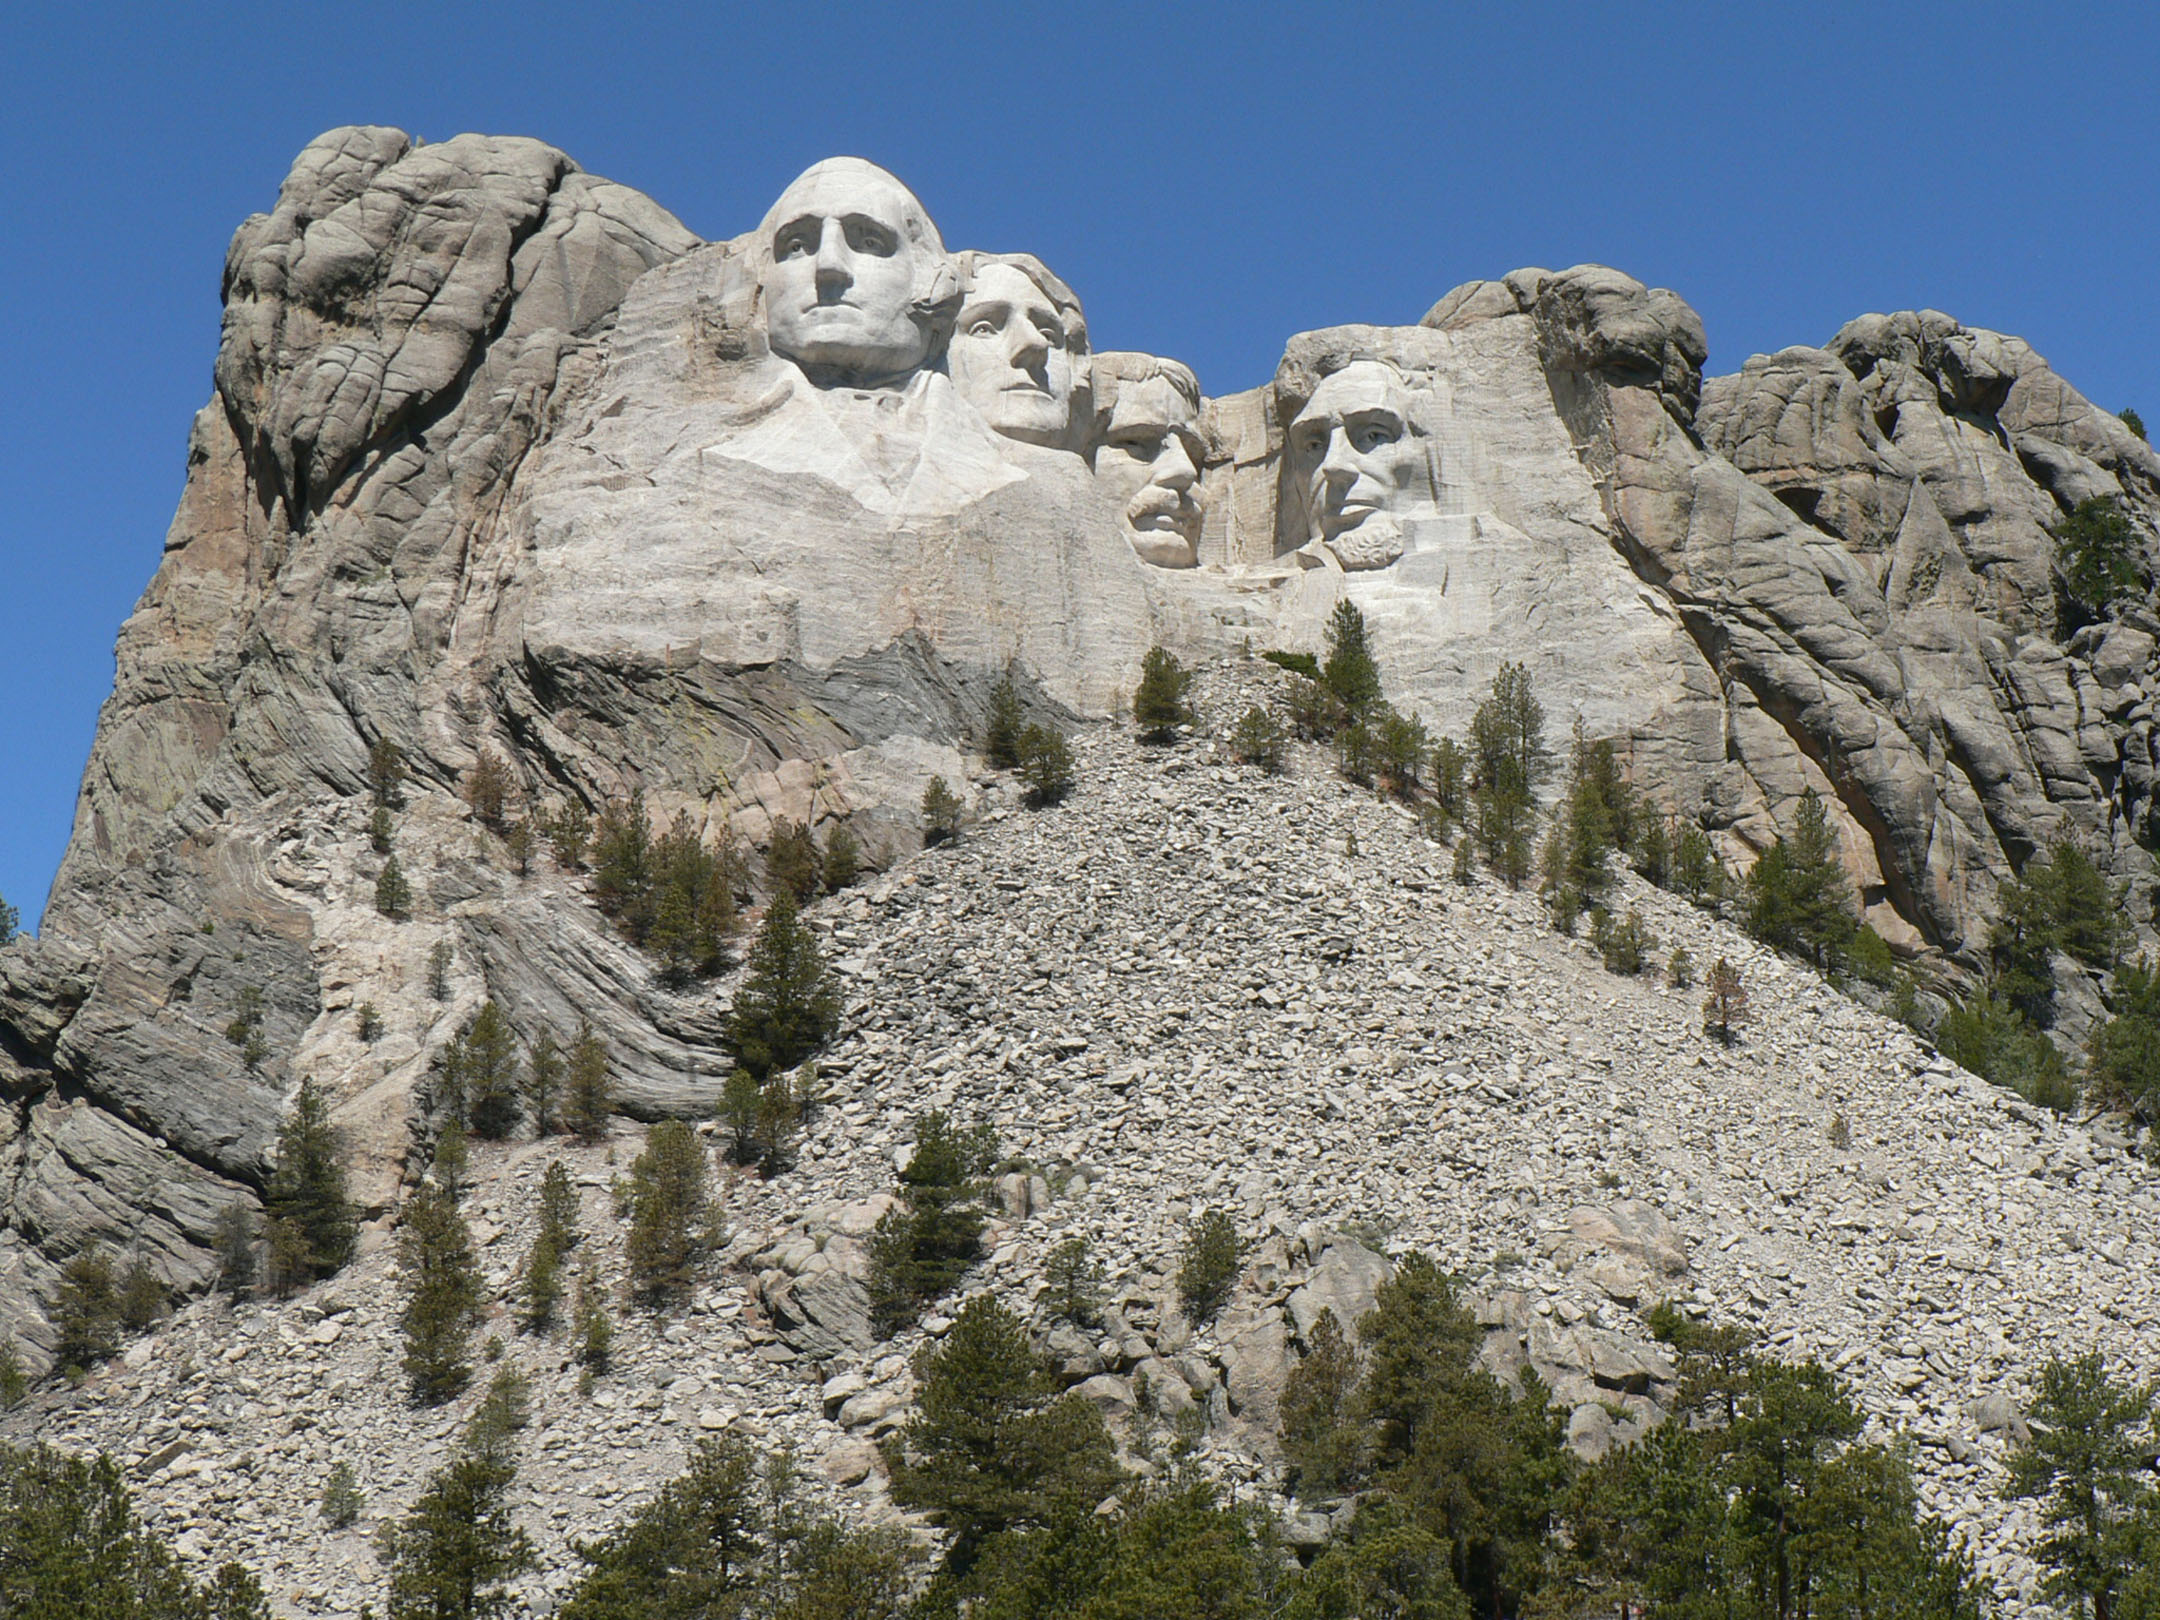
x: 502, y: 460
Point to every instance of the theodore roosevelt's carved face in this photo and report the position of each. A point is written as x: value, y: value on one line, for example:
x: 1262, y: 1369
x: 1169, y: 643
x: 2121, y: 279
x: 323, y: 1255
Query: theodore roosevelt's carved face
x: 855, y: 275
x: 1011, y: 356
x: 1363, y: 461
x: 1149, y: 461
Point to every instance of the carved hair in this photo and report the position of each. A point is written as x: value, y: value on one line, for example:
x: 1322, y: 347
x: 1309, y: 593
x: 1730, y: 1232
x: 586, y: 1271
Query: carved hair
x: 971, y: 262
x: 1115, y: 366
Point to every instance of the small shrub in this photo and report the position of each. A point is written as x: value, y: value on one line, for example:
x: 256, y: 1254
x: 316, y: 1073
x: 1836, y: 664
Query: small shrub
x: 86, y: 1312
x: 1625, y: 945
x: 569, y: 834
x: 940, y: 812
x: 843, y: 857
x: 519, y: 842
x: 1075, y: 1279
x: 1257, y: 739
x: 1314, y: 712
x: 791, y: 861
x: 1869, y: 958
x: 342, y: 1499
x: 14, y: 1381
x: 1726, y: 1006
x: 487, y: 790
x: 381, y: 832
x: 1046, y: 765
x: 1680, y: 969
x: 1160, y: 707
x: 367, y: 1023
x: 1208, y: 1265
x: 143, y: 1297
x: 2131, y: 420
x: 1304, y: 664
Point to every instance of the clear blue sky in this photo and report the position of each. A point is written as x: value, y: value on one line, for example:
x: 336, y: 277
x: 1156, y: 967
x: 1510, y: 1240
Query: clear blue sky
x: 1210, y: 179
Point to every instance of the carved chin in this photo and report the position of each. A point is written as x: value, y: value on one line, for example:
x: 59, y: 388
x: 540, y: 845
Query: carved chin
x: 1165, y: 548
x: 1374, y: 543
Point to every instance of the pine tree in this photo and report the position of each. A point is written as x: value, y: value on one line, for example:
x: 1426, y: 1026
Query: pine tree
x: 669, y: 1214
x: 342, y: 1500
x: 393, y: 894
x: 1799, y: 899
x: 1208, y: 1264
x: 452, y: 1556
x: 559, y: 1207
x: 1046, y: 765
x: 72, y: 1548
x: 488, y: 1063
x: 1257, y: 739
x: 1075, y: 1279
x: 1001, y: 738
x: 589, y: 1101
x: 14, y: 1381
x: 940, y: 812
x: 787, y: 1007
x: 307, y: 1195
x: 386, y: 774
x: 10, y: 922
x: 542, y: 1284
x: 2086, y: 1463
x: 791, y: 861
x: 544, y: 1083
x: 1322, y: 1433
x: 86, y: 1312
x: 1350, y: 671
x: 440, y: 956
x: 922, y: 1248
x: 569, y: 834
x: 843, y: 857
x: 441, y: 1283
x: 1159, y: 706
x: 591, y: 1332
x: 382, y: 832
x: 451, y: 1167
x: 992, y: 1445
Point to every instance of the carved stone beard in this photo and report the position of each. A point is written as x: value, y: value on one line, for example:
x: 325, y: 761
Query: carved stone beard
x: 1374, y: 543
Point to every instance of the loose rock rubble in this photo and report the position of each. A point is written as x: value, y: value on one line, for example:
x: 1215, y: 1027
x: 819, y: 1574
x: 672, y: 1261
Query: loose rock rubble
x: 1178, y: 990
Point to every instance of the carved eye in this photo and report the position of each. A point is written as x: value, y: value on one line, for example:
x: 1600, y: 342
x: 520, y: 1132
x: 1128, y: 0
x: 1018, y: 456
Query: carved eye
x: 1140, y: 446
x: 1369, y: 436
x: 982, y: 328
x: 1052, y: 333
x: 868, y: 236
x: 795, y: 242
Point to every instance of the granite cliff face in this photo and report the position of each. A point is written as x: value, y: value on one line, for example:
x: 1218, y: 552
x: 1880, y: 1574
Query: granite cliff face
x: 502, y: 458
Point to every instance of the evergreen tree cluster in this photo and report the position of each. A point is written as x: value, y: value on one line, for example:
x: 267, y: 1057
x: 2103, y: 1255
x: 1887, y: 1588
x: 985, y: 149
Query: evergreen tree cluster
x: 1038, y: 754
x: 672, y: 1227
x: 2099, y: 560
x: 733, y: 1536
x: 674, y: 895
x: 72, y: 1548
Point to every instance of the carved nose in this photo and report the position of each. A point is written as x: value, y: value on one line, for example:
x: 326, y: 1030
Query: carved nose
x: 1027, y: 348
x: 1338, y: 465
x: 1175, y: 469
x: 832, y: 258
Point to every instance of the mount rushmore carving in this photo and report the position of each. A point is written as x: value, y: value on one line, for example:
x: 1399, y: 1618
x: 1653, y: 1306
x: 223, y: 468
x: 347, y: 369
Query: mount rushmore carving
x: 501, y: 458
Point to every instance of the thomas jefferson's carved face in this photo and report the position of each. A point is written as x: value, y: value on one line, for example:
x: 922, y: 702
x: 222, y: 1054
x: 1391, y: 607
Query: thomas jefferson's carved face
x: 1149, y: 460
x: 1361, y: 456
x: 851, y: 250
x: 1011, y: 359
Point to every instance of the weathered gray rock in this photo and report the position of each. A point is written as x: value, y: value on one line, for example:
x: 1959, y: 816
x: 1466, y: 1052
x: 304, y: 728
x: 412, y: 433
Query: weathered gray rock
x: 1345, y: 1279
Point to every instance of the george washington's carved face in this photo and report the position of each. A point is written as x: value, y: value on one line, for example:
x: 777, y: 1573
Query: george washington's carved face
x: 854, y: 275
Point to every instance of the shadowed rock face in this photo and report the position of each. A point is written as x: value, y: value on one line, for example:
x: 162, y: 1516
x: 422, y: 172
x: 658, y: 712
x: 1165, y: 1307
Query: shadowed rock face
x: 501, y: 457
